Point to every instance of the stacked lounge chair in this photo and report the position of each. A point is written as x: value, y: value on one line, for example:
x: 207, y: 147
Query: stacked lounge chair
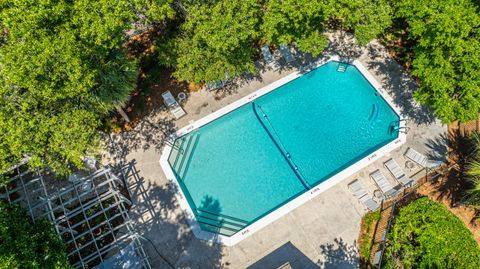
x: 287, y: 55
x: 357, y: 188
x: 387, y: 189
x: 268, y: 57
x: 421, y: 159
x: 398, y: 173
x: 173, y: 105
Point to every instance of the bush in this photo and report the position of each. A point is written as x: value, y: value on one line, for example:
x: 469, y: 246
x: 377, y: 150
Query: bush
x: 426, y: 235
x: 366, y: 246
x: 24, y: 244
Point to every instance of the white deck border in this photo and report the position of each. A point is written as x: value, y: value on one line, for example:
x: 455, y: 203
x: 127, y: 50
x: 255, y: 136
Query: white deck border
x: 303, y: 198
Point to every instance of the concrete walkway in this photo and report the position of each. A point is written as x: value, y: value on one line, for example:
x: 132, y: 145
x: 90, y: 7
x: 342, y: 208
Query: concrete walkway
x: 322, y: 233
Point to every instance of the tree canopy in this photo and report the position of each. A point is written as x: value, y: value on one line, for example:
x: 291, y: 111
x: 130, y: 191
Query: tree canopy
x: 297, y: 22
x: 62, y: 68
x: 24, y: 244
x: 216, y: 39
x: 426, y: 235
x: 447, y: 55
x: 367, y: 19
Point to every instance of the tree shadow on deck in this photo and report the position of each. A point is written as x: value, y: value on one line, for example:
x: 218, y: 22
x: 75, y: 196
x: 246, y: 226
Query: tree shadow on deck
x: 158, y: 217
x: 339, y: 255
x: 397, y: 83
x: 152, y: 130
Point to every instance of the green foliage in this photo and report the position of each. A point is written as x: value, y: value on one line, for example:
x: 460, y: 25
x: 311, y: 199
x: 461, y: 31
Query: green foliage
x: 447, y: 55
x: 472, y: 195
x: 368, y: 220
x: 62, y: 68
x: 426, y: 235
x: 366, y: 18
x: 216, y: 39
x: 24, y: 244
x: 296, y: 22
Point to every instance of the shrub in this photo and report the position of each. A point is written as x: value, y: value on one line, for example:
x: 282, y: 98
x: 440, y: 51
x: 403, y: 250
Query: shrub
x: 24, y: 244
x: 366, y: 246
x: 426, y: 235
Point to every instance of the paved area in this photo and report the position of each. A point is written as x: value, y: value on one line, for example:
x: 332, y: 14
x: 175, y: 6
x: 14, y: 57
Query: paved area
x: 322, y: 233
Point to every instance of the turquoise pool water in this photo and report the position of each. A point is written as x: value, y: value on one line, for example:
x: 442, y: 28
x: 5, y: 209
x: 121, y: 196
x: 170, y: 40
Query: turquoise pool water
x: 265, y: 153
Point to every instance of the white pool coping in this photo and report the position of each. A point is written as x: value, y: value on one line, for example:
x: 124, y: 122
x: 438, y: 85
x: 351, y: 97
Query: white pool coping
x: 303, y: 198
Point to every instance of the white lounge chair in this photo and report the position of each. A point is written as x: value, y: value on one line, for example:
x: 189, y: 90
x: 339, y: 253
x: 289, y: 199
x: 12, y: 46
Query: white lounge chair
x: 398, y: 173
x: 357, y: 188
x: 269, y: 59
x: 387, y: 189
x: 287, y: 55
x: 173, y: 105
x: 421, y: 159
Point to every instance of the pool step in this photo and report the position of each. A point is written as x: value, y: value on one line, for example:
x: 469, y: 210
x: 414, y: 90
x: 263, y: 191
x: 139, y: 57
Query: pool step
x: 185, y: 153
x: 176, y: 149
x: 221, y: 224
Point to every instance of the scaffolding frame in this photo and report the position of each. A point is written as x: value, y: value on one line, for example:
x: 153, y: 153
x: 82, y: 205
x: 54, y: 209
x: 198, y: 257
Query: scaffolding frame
x: 90, y: 214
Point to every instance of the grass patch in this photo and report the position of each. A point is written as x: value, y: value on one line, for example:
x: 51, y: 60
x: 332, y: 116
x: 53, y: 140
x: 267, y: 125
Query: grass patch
x: 366, y: 240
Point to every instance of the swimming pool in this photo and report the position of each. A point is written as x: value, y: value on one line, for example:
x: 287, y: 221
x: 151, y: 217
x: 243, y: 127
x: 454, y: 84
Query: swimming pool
x: 272, y: 148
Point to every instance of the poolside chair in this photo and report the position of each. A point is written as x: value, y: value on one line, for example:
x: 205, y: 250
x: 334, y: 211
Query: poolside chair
x: 357, y: 188
x: 173, y: 105
x: 269, y: 59
x: 398, y: 173
x: 218, y: 84
x: 287, y: 55
x: 387, y: 189
x: 421, y: 159
x: 214, y: 85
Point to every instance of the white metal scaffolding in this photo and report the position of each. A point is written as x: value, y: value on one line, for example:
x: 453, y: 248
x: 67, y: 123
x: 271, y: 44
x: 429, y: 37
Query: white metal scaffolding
x: 89, y: 213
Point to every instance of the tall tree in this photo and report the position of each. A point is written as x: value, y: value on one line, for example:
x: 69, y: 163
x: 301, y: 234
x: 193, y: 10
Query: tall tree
x: 25, y: 244
x: 216, y: 39
x: 298, y: 22
x: 62, y: 68
x: 366, y: 18
x: 447, y: 55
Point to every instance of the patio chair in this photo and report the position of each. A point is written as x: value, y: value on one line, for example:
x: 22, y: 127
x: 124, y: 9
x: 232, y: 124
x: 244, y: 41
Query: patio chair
x: 173, y: 105
x: 218, y: 84
x: 287, y: 55
x: 398, y: 173
x: 387, y: 189
x: 421, y: 159
x: 269, y: 59
x: 357, y: 188
x: 214, y: 85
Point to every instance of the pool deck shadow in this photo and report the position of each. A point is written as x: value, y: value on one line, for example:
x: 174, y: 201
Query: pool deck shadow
x: 285, y: 255
x: 167, y: 238
x: 321, y: 233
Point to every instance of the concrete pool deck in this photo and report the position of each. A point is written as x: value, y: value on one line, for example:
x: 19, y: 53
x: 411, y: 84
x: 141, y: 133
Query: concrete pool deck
x: 321, y: 233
